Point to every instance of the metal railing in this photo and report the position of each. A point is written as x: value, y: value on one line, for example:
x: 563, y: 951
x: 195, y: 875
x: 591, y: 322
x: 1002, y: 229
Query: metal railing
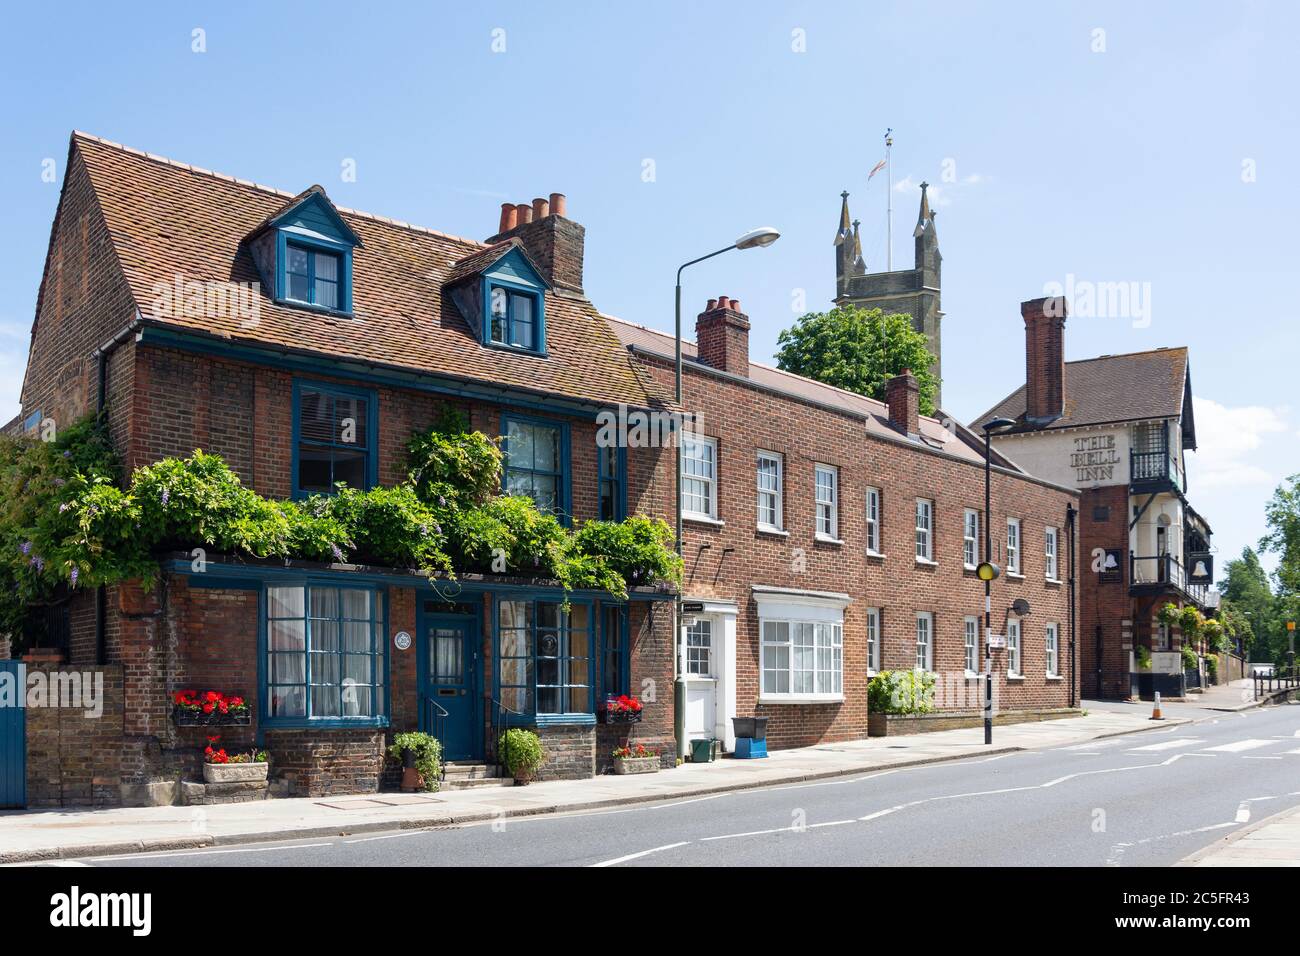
x: 437, y: 719
x: 1276, y: 679
x: 1165, y: 569
x: 1153, y: 466
x: 500, y: 723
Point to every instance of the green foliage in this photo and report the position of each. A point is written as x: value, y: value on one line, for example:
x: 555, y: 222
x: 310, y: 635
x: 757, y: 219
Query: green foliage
x: 1169, y: 614
x: 522, y: 752
x: 390, y: 527
x: 428, y: 755
x: 858, y: 350
x: 1212, y: 668
x: 452, y: 464
x: 637, y: 550
x: 901, y: 692
x: 1191, y: 621
x: 1245, y: 587
x: 1190, y: 658
x: 1235, y: 624
x: 1216, y: 635
x: 1143, y: 656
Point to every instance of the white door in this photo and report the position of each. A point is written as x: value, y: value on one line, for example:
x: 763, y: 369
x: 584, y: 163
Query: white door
x: 701, y: 678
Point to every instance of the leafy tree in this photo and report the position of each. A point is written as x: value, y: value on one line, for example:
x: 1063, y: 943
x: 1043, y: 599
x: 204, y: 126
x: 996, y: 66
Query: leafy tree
x: 858, y: 350
x: 1282, y: 515
x: 1246, y: 590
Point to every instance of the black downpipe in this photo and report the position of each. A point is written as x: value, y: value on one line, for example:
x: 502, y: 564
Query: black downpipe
x: 1071, y: 518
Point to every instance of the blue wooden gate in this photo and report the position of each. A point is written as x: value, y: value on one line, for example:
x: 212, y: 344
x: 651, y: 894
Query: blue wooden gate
x: 13, y: 734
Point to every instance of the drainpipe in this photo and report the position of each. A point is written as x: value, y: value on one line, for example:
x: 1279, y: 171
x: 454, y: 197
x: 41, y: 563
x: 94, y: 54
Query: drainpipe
x: 1071, y: 517
x: 101, y: 356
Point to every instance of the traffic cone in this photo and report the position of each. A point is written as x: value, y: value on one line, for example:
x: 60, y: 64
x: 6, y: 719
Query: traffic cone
x: 1155, y: 710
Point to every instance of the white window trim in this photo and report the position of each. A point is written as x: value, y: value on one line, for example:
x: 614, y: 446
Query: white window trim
x: 1054, y: 535
x: 1019, y: 672
x: 873, y: 646
x: 873, y: 550
x: 966, y: 623
x: 711, y: 517
x: 928, y: 617
x: 1014, y: 569
x: 833, y: 537
x: 975, y: 541
x: 928, y: 557
x: 779, y: 526
x: 1054, y: 629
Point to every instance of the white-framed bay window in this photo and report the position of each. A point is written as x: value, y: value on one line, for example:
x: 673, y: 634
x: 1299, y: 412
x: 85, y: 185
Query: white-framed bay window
x: 1050, y: 564
x: 769, y: 479
x: 801, y: 645
x: 970, y: 535
x: 699, y: 477
x: 924, y: 641
x: 972, y: 644
x: 1053, y: 644
x: 924, y: 529
x: 873, y: 521
x: 1013, y: 546
x: 826, y: 481
x: 873, y: 640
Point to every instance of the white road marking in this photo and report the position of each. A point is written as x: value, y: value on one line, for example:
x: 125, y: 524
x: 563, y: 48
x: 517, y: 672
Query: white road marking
x: 1243, y: 812
x: 1170, y: 744
x: 633, y: 856
x: 63, y: 863
x: 1238, y: 745
x: 252, y: 849
x: 1296, y: 751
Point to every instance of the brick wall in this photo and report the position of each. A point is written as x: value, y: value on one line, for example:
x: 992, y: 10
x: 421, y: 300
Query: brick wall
x: 319, y: 763
x: 569, y: 753
x: 74, y: 759
x: 1105, y: 608
x: 723, y: 562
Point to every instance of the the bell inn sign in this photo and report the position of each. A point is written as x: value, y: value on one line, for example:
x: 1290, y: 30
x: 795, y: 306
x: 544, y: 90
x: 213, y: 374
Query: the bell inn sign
x: 1094, y: 458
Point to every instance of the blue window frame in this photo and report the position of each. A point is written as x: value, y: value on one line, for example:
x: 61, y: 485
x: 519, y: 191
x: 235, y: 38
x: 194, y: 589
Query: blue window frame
x: 536, y: 462
x: 334, y: 438
x: 314, y: 273
x: 324, y: 657
x: 611, y: 466
x: 514, y: 317
x: 546, y: 658
x: 614, y: 657
x: 32, y: 423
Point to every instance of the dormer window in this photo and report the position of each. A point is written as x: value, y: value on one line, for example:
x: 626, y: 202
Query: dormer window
x: 311, y: 276
x: 304, y: 254
x: 513, y: 318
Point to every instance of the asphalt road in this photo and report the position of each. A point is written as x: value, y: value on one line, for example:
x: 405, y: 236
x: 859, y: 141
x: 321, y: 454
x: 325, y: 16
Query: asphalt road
x: 1145, y: 799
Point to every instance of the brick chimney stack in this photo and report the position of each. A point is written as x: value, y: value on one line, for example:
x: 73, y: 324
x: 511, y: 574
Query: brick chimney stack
x: 903, y: 396
x: 555, y: 243
x: 1044, y: 358
x: 722, y: 336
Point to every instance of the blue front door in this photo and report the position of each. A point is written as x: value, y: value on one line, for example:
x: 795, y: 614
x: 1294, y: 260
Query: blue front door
x: 13, y: 734
x: 450, y: 701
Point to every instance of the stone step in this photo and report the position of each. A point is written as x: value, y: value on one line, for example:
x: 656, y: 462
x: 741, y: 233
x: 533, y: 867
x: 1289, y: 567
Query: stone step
x: 470, y: 770
x: 467, y: 783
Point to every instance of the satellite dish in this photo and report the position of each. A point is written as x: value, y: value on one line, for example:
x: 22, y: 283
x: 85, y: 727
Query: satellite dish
x: 1020, y: 606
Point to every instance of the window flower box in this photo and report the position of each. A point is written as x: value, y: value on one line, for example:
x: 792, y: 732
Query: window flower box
x: 192, y: 709
x: 635, y: 758
x: 624, y: 709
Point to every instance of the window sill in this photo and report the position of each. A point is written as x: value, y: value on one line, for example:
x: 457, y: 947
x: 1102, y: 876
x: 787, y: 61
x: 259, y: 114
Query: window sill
x: 926, y: 562
x: 974, y: 675
x: 698, y: 679
x: 514, y: 349
x: 827, y: 539
x: 1056, y: 581
x: 876, y: 555
x: 801, y: 698
x: 1052, y: 677
x: 564, y: 720
x: 313, y: 307
x: 703, y: 519
x: 1015, y: 574
x: 768, y: 529
x: 1015, y: 678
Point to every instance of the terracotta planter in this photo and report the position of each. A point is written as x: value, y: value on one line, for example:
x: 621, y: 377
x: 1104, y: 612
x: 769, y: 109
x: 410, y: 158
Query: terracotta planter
x: 235, y: 772
x: 625, y: 765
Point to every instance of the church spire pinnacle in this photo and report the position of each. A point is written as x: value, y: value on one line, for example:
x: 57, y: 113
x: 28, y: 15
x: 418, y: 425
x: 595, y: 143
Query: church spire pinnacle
x: 859, y: 264
x: 843, y: 233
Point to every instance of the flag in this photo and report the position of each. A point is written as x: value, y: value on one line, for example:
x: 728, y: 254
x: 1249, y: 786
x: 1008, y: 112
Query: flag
x: 875, y: 169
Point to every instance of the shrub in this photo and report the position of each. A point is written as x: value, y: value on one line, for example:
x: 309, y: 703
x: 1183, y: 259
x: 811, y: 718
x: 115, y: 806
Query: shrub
x: 1190, y: 659
x: 1143, y: 657
x: 428, y: 755
x: 1191, y: 620
x: 1212, y: 667
x: 521, y: 750
x: 901, y: 692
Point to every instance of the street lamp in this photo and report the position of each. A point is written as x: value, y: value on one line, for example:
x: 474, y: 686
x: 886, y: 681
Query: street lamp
x: 754, y: 239
x: 988, y: 571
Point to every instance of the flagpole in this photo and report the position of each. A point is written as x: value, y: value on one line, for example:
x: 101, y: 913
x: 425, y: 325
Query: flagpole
x: 889, y: 208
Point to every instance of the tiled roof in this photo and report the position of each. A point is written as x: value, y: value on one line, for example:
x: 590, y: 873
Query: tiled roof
x: 168, y: 219
x: 1112, y: 388
x: 875, y: 414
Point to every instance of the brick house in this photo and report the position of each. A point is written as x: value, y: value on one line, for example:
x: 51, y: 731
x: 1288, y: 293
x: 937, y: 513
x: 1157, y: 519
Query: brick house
x: 828, y: 536
x: 332, y: 319
x: 1118, y: 428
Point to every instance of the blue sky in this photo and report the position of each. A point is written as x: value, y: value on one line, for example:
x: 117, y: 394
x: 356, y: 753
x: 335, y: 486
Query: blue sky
x: 1149, y: 143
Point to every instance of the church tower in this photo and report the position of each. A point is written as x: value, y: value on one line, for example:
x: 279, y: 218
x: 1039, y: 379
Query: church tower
x: 912, y: 291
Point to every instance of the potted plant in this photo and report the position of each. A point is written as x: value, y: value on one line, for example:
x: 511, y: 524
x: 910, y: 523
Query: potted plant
x: 1191, y: 621
x: 421, y: 759
x: 222, y: 767
x: 1169, y: 615
x: 193, y: 709
x: 521, y: 752
x: 623, y: 709
x: 635, y: 758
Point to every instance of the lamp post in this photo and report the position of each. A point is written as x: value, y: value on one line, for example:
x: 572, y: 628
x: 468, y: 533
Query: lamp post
x: 988, y: 571
x: 754, y: 239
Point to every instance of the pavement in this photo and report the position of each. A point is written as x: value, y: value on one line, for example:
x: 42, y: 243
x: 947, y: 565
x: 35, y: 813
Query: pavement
x: 1217, y: 699
x: 1273, y: 841
x: 30, y: 836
